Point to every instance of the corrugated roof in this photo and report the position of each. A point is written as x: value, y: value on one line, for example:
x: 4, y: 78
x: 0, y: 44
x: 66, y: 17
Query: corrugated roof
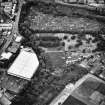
x: 25, y: 65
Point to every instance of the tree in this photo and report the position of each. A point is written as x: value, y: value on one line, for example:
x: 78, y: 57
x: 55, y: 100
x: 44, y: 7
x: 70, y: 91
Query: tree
x: 104, y: 1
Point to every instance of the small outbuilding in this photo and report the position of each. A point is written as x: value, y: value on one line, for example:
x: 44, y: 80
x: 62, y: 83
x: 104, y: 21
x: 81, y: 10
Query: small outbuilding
x: 6, y: 55
x: 18, y: 38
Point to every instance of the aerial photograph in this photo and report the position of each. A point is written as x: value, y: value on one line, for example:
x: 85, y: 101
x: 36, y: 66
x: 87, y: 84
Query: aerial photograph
x: 52, y: 52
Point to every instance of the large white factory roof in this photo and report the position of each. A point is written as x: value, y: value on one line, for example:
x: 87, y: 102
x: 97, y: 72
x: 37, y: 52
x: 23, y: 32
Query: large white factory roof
x: 25, y: 65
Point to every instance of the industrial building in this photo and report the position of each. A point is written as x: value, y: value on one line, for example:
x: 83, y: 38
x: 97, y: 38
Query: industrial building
x: 25, y: 64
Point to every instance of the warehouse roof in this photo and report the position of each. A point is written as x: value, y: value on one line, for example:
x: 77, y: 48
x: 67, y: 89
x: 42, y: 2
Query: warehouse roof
x: 25, y: 65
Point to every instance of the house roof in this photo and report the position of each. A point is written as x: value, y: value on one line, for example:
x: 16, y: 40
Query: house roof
x: 25, y: 65
x: 6, y: 26
x: 6, y: 55
x: 18, y: 38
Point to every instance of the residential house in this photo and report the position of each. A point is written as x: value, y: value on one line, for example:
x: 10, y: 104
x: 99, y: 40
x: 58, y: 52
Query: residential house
x: 6, y: 55
x: 7, y: 6
x: 5, y: 26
